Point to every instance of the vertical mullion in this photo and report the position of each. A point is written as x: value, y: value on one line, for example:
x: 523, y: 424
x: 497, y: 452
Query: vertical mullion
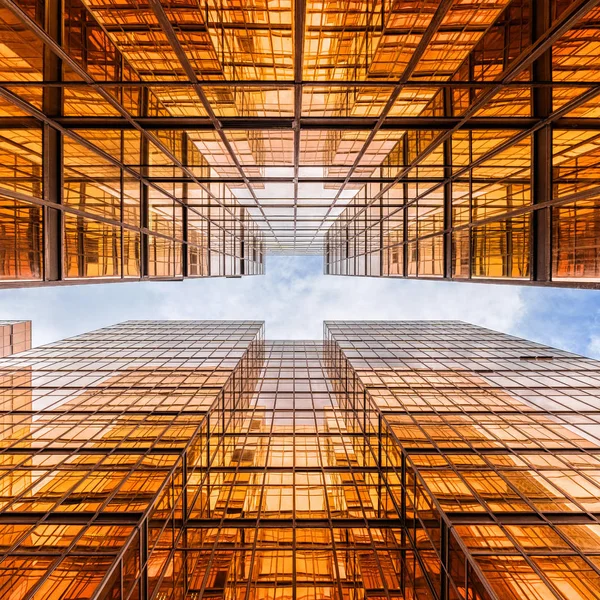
x: 144, y: 551
x: 445, y: 559
x: 52, y: 147
x: 447, y: 153
x: 122, y: 204
x: 541, y: 163
x: 381, y: 237
x: 405, y: 209
x: 208, y: 243
x: 242, y: 245
x: 184, y: 210
x: 144, y: 219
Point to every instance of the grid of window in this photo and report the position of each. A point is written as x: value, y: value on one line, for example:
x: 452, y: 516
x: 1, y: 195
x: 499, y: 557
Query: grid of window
x: 496, y: 443
x: 421, y: 460
x: 97, y: 432
x: 430, y: 139
x: 292, y: 504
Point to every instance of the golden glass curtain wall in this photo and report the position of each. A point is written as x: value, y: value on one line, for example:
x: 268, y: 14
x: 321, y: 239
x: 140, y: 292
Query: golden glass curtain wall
x: 191, y: 460
x: 160, y: 139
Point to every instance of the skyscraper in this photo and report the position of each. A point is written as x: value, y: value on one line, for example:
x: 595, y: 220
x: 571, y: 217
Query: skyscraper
x: 416, y: 460
x: 405, y: 138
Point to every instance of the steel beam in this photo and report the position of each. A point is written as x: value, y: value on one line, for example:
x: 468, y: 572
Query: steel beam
x: 144, y: 196
x: 184, y: 209
x: 541, y: 164
x: 445, y: 579
x: 305, y: 123
x: 447, y: 154
x: 405, y: 210
x: 52, y: 149
x: 287, y: 83
x: 299, y: 24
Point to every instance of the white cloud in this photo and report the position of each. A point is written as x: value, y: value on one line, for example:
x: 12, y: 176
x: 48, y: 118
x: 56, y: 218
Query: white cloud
x: 593, y: 349
x: 295, y: 302
x: 293, y: 298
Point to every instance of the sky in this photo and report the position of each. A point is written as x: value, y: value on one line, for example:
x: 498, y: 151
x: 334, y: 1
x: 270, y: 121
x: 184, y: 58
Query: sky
x: 294, y: 298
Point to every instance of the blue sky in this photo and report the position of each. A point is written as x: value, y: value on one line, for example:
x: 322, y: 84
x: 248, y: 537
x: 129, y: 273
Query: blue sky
x: 295, y: 297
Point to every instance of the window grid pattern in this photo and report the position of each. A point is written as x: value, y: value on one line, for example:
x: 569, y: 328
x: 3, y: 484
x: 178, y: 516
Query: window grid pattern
x: 497, y: 440
x: 153, y: 139
x: 96, y: 434
x: 418, y: 460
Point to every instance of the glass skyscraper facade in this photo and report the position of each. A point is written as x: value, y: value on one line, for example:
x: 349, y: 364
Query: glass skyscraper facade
x: 196, y: 460
x: 396, y: 138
